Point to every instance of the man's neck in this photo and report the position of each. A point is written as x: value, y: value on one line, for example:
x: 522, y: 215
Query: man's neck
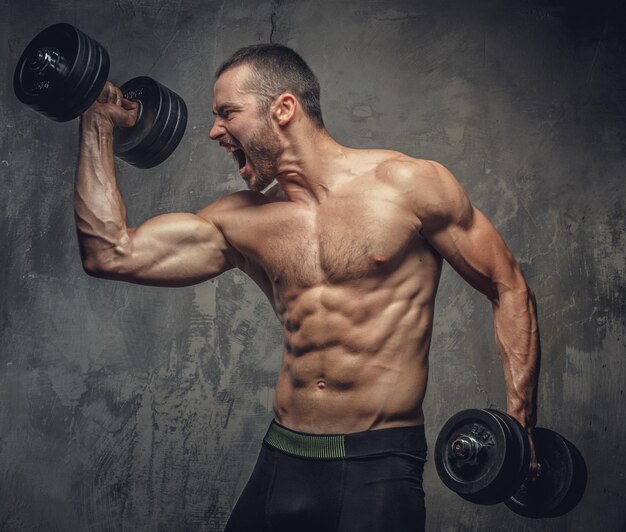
x: 310, y: 165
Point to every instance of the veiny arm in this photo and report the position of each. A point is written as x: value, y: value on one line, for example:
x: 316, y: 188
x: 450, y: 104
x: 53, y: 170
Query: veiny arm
x: 169, y: 250
x: 475, y: 249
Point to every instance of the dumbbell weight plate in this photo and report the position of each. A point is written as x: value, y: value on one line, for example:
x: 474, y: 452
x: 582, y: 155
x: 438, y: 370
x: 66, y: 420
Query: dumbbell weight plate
x: 515, y: 464
x: 473, y: 479
x: 578, y: 485
x: 61, y: 72
x: 159, y: 128
x: 542, y: 497
x: 520, y: 459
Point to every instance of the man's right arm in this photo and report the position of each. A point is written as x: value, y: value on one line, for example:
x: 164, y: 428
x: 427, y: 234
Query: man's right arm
x: 175, y: 249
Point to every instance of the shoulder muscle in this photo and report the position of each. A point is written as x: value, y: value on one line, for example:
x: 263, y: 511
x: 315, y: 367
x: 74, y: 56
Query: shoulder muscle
x: 435, y: 195
x: 232, y: 202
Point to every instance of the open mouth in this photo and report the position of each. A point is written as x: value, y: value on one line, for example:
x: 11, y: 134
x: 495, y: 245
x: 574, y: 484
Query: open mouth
x: 240, y: 157
x: 238, y: 154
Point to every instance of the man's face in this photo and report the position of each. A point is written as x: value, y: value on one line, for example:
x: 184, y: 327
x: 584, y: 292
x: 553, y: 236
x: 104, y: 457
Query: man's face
x: 244, y: 130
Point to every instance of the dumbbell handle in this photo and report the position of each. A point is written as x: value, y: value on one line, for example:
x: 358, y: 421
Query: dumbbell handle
x: 466, y: 448
x: 46, y: 61
x: 537, y: 476
x: 42, y: 59
x: 61, y: 73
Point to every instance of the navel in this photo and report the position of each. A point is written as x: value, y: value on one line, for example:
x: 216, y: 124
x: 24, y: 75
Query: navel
x: 321, y: 384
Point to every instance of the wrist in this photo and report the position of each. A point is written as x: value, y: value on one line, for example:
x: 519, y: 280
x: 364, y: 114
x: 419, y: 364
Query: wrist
x: 92, y: 122
x: 526, y: 416
x: 96, y: 134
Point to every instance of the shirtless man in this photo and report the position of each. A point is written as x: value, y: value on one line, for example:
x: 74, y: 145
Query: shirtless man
x: 348, y: 248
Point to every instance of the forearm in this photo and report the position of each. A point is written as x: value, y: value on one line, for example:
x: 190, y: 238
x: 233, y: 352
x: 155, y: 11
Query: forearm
x: 517, y: 339
x: 98, y: 206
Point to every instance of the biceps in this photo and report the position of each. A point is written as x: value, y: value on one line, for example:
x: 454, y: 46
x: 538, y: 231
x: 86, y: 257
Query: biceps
x: 172, y: 250
x: 478, y: 253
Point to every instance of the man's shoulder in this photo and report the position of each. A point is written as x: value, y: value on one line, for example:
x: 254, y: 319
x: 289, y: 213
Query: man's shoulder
x: 403, y: 172
x: 433, y: 190
x: 233, y: 202
x: 401, y: 168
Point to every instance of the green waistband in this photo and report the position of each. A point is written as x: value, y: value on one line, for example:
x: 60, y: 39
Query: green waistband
x: 305, y: 445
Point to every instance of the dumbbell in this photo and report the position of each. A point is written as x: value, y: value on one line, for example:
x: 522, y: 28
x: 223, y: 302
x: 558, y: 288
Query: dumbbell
x: 484, y: 456
x: 61, y: 73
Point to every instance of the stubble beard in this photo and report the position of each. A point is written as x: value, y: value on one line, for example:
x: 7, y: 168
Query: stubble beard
x: 263, y: 150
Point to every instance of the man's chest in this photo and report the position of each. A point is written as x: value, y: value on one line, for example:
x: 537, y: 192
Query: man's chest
x: 340, y: 240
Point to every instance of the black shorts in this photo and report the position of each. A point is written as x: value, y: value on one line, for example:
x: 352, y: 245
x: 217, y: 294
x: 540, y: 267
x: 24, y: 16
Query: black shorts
x: 362, y: 482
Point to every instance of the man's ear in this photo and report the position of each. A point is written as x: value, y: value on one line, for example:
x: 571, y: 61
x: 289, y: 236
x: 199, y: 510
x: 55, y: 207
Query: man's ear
x: 284, y: 108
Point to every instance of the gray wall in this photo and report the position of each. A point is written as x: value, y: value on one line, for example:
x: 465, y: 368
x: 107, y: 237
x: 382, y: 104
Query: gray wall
x: 134, y: 408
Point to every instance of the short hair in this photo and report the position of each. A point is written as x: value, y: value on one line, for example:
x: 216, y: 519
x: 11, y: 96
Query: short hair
x: 276, y: 69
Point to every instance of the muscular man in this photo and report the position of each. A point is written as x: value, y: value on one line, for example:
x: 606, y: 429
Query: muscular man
x: 348, y: 247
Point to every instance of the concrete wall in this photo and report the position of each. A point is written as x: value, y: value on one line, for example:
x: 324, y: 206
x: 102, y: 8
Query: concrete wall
x: 133, y: 408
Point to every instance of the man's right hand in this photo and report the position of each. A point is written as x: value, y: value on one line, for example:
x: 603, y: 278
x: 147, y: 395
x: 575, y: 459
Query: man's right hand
x: 174, y: 249
x: 113, y: 107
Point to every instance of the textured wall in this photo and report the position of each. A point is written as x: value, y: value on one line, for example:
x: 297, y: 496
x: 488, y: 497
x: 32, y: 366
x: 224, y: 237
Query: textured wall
x: 134, y: 408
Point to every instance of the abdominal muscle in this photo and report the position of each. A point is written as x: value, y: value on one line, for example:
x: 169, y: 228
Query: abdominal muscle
x: 355, y: 355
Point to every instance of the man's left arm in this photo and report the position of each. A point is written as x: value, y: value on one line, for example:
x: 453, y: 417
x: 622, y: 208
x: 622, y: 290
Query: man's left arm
x: 474, y: 248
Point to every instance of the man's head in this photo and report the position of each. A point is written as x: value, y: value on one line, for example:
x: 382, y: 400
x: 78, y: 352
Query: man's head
x: 258, y: 90
x: 275, y: 69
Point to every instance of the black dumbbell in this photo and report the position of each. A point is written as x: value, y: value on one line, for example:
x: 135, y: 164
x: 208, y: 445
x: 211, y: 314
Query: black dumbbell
x: 484, y: 456
x: 61, y: 73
